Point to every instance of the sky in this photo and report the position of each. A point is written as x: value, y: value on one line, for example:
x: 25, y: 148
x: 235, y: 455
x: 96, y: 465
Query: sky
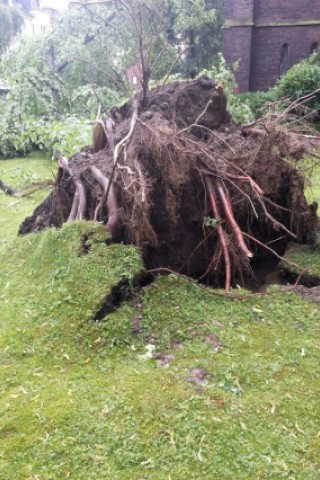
x: 59, y: 4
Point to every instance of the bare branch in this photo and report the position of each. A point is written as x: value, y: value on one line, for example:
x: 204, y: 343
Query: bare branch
x: 174, y: 64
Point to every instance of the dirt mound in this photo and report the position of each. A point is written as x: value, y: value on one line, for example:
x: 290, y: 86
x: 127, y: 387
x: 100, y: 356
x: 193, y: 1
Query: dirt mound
x: 199, y: 194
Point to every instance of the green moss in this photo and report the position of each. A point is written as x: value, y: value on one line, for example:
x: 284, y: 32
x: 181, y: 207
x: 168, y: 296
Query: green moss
x: 79, y: 400
x: 302, y: 260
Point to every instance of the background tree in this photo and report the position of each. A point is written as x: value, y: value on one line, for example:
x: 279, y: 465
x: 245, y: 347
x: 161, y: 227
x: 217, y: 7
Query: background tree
x: 197, y: 24
x: 81, y: 64
x: 11, y: 21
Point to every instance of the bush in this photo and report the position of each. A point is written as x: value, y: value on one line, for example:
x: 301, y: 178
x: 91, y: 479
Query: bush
x: 19, y: 137
x: 259, y: 102
x: 240, y: 110
x: 302, y: 79
x: 83, y: 100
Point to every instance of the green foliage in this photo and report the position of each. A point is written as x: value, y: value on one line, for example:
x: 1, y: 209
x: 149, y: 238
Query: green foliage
x: 211, y: 222
x: 29, y: 118
x: 84, y: 100
x: 302, y: 79
x: 240, y: 110
x: 29, y: 79
x: 41, y: 108
x: 98, y: 62
x: 261, y: 103
x: 67, y: 135
x: 196, y: 25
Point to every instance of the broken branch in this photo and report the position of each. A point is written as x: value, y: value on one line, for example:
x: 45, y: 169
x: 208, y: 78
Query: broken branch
x: 8, y: 190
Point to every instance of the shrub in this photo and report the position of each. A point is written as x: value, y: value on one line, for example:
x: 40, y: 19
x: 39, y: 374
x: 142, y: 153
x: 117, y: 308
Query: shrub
x: 259, y: 102
x: 240, y: 110
x: 66, y: 135
x: 302, y: 79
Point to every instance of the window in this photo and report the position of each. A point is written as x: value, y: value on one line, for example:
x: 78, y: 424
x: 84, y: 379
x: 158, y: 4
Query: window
x: 284, y: 58
x: 134, y: 80
x: 314, y: 47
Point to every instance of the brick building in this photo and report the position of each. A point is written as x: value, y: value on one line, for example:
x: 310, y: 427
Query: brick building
x: 268, y: 37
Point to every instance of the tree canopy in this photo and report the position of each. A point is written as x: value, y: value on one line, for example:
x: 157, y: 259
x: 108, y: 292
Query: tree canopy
x: 80, y: 65
x: 88, y: 51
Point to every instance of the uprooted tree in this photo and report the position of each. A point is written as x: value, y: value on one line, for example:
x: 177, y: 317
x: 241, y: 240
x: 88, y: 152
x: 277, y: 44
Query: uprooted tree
x: 199, y: 194
x: 173, y: 174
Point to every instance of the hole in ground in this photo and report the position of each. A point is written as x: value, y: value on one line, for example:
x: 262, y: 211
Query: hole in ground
x: 123, y: 291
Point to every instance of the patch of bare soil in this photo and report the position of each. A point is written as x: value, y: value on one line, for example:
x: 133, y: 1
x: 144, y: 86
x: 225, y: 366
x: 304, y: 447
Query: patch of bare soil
x: 200, y: 195
x: 312, y: 294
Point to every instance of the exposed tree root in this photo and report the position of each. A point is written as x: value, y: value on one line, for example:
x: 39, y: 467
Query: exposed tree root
x: 79, y: 204
x: 229, y: 215
x: 126, y: 139
x: 221, y: 232
x: 103, y: 182
x: 163, y: 159
x: 74, y: 207
x: 275, y: 222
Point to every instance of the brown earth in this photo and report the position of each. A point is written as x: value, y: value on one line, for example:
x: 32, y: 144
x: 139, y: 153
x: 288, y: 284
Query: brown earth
x: 191, y: 188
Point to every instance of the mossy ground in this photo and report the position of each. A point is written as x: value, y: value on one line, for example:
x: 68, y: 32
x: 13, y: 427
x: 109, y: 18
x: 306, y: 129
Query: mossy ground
x: 302, y: 261
x: 80, y: 399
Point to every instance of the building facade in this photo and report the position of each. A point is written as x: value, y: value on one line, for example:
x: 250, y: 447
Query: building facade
x: 267, y: 37
x: 39, y: 15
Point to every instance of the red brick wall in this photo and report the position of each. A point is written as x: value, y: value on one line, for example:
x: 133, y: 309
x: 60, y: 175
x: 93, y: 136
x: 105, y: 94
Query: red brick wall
x: 238, y: 49
x: 258, y: 46
x: 239, y: 8
x: 238, y: 40
x: 267, y: 42
x: 286, y: 10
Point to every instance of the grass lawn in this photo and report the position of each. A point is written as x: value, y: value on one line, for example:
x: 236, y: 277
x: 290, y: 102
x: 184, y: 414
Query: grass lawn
x: 18, y: 173
x: 232, y: 394
x: 313, y: 184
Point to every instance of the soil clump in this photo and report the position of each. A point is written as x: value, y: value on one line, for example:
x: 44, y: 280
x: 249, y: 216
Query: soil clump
x: 197, y: 193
